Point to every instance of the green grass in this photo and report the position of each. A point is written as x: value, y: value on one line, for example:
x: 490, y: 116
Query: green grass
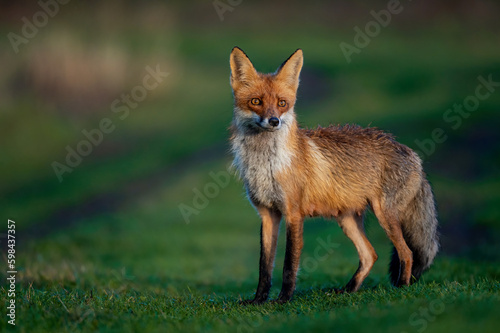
x: 145, y: 269
x: 136, y: 265
x: 435, y: 307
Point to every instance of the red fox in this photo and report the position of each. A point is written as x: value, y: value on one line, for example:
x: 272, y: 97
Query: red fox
x: 337, y: 171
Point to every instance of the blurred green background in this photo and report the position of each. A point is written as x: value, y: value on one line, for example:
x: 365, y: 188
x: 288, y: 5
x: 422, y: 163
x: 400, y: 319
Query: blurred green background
x: 114, y: 224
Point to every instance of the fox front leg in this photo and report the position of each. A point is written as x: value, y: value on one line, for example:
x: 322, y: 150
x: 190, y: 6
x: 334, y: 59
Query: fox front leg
x: 294, y: 244
x: 268, y: 240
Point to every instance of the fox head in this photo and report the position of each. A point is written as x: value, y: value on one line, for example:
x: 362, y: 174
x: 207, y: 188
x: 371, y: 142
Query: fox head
x: 264, y: 102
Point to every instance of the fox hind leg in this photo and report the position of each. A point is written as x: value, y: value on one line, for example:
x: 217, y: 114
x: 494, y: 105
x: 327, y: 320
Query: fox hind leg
x: 392, y: 228
x: 352, y: 225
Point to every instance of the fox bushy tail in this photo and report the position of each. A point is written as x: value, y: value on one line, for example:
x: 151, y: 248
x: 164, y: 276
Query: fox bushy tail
x: 419, y: 224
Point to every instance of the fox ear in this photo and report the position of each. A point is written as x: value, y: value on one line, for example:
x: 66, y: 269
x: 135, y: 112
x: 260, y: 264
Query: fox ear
x: 289, y: 71
x: 242, y: 70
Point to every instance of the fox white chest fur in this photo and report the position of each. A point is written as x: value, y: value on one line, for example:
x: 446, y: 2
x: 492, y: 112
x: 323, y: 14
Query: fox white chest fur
x: 259, y: 157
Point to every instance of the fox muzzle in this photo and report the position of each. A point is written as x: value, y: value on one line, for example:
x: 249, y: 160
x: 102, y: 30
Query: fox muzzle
x: 270, y: 124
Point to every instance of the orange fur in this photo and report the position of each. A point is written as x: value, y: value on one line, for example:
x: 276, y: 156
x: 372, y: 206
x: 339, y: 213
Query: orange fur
x: 337, y: 171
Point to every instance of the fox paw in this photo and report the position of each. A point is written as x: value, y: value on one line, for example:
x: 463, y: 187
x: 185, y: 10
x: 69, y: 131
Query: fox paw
x: 254, y: 301
x: 282, y: 300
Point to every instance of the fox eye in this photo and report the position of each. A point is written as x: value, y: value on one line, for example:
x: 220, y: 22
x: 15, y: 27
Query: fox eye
x: 282, y: 103
x: 256, y: 101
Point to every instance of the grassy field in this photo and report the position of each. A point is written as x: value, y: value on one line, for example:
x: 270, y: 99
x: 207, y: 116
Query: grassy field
x: 107, y: 249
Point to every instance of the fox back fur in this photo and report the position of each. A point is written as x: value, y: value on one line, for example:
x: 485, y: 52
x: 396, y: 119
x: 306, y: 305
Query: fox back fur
x: 337, y: 171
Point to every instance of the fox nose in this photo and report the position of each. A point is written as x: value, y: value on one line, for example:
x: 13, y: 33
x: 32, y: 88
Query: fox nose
x: 274, y: 122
